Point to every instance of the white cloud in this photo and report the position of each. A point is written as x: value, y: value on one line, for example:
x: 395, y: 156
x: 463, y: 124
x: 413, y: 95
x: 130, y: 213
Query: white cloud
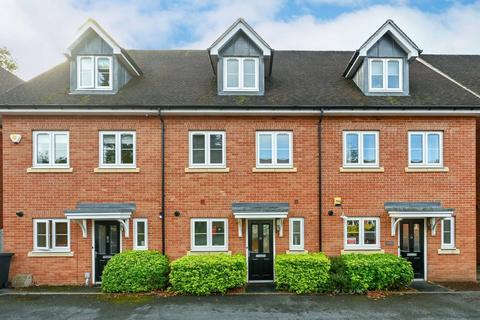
x: 37, y: 32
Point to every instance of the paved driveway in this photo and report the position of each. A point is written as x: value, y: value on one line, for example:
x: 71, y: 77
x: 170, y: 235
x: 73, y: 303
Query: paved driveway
x: 409, y: 306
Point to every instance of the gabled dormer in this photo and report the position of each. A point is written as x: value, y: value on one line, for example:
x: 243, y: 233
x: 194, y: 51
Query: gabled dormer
x: 241, y: 60
x: 381, y: 65
x: 98, y: 65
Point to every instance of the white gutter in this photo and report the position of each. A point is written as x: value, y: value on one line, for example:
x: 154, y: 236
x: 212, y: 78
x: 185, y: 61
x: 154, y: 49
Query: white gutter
x: 244, y: 112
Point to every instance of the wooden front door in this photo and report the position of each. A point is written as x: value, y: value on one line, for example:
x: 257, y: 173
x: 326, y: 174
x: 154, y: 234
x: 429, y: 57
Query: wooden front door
x: 260, y: 250
x: 412, y: 245
x: 107, y: 244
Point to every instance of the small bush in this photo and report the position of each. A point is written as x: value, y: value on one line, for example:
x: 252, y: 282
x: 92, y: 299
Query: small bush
x: 206, y: 274
x: 135, y: 271
x: 339, y: 281
x: 302, y: 273
x: 373, y: 272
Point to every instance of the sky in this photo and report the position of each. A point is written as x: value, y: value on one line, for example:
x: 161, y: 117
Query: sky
x: 38, y: 32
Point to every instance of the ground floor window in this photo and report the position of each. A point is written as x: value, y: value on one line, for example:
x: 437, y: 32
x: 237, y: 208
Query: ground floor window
x: 140, y: 234
x: 362, y: 233
x: 51, y: 235
x: 448, y: 233
x: 296, y: 234
x: 209, y: 234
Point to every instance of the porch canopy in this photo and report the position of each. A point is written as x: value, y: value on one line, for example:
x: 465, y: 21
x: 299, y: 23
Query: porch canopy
x: 261, y: 210
x: 120, y: 212
x: 417, y: 210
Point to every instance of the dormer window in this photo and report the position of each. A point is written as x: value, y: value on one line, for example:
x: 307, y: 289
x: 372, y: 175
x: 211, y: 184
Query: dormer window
x: 240, y: 74
x: 94, y: 72
x: 385, y: 75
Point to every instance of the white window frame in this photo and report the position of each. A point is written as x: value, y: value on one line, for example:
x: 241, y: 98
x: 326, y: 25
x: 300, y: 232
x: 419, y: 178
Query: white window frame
x: 240, y: 74
x: 301, y: 246
x: 136, y: 246
x: 94, y: 60
x: 425, y: 149
x: 361, y: 163
x: 118, y: 154
x: 50, y: 243
x: 274, y: 163
x: 450, y: 245
x: 361, y: 238
x: 51, y: 151
x: 385, y: 75
x: 209, y: 246
x: 207, y: 163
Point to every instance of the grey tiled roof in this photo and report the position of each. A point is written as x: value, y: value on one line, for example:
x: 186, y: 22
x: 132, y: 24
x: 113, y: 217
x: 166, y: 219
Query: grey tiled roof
x: 103, y: 208
x: 416, y: 207
x: 8, y: 81
x: 185, y: 78
x: 260, y: 207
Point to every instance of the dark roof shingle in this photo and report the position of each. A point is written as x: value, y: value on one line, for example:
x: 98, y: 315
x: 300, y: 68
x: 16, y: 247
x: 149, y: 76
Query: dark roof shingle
x: 8, y: 80
x: 185, y: 78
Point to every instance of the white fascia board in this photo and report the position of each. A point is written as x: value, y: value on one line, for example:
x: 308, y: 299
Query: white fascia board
x: 98, y: 216
x: 92, y: 24
x: 417, y: 214
x: 239, y: 112
x: 397, y: 36
x: 240, y: 26
x: 261, y: 215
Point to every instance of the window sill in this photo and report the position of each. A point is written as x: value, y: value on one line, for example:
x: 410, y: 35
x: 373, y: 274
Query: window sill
x: 449, y: 251
x: 362, y: 251
x: 274, y: 169
x: 199, y: 252
x: 49, y: 170
x: 430, y: 169
x: 116, y: 170
x: 207, y: 170
x: 296, y: 251
x: 363, y: 169
x: 50, y: 254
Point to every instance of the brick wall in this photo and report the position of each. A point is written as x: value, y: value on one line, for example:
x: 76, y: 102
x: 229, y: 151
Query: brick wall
x: 204, y: 195
x: 364, y: 194
x: 42, y: 195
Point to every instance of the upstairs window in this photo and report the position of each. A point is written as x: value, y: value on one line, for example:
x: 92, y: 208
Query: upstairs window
x: 117, y: 149
x: 385, y: 75
x: 425, y: 149
x: 360, y: 149
x: 94, y: 72
x: 50, y: 149
x: 240, y: 74
x: 207, y: 149
x: 274, y: 149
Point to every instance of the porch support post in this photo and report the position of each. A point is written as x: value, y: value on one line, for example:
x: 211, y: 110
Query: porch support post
x: 124, y: 224
x: 83, y: 226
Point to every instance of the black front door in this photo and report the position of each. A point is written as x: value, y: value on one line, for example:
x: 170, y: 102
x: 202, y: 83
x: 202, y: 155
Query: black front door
x: 107, y: 244
x: 260, y: 250
x: 411, y: 245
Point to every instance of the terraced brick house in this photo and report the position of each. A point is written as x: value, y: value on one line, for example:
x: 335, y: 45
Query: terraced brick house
x: 241, y: 148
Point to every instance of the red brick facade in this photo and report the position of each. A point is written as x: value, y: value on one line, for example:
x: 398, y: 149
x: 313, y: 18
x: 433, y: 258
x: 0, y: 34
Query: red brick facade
x: 204, y: 195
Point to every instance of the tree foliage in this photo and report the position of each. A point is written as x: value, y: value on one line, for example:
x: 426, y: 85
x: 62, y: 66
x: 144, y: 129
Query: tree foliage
x: 6, y: 60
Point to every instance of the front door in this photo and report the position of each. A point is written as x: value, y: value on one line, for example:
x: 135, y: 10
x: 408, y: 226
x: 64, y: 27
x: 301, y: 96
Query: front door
x: 412, y: 245
x: 107, y: 244
x: 260, y: 250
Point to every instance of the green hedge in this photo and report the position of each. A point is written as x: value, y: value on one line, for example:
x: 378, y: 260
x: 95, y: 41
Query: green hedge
x: 206, y: 274
x: 135, y: 271
x: 363, y: 272
x: 302, y: 273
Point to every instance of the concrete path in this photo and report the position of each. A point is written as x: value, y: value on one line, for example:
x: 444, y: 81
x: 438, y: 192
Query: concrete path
x: 465, y: 305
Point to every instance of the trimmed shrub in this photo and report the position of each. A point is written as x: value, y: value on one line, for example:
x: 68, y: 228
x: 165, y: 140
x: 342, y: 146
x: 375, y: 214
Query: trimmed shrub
x: 206, y: 274
x: 364, y: 272
x: 135, y: 271
x: 302, y: 273
x: 339, y: 281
